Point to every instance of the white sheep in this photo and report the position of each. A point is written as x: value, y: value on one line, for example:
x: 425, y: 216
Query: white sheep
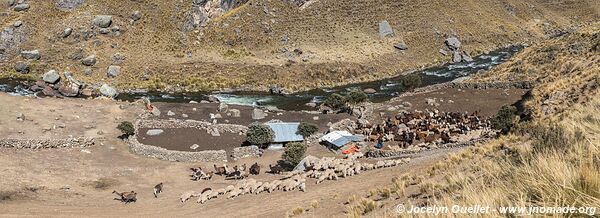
x: 229, y: 188
x: 204, y: 196
x: 302, y: 186
x: 275, y: 185
x: 187, y: 195
x: 220, y: 191
x: 379, y: 164
x: 234, y: 193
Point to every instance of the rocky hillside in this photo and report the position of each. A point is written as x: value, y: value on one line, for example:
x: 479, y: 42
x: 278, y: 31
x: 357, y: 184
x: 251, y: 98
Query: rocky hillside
x: 564, y: 70
x: 252, y: 44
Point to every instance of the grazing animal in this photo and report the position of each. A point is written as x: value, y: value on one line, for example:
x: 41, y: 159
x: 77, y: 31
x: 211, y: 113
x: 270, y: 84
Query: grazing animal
x: 219, y: 170
x: 275, y: 169
x: 255, y: 169
x: 126, y: 197
x: 158, y: 189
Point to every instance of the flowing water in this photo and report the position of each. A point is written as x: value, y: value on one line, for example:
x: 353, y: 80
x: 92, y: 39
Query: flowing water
x: 386, y: 88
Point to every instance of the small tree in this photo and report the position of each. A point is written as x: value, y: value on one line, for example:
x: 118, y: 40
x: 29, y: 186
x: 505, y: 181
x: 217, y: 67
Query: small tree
x: 356, y: 96
x: 505, y: 118
x: 411, y: 81
x: 294, y: 153
x: 335, y: 101
x: 126, y: 128
x: 307, y: 129
x: 259, y: 134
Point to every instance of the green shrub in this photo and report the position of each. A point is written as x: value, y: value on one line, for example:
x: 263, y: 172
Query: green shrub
x: 126, y: 128
x: 356, y: 96
x: 411, y: 81
x: 294, y: 153
x: 307, y: 129
x: 504, y: 119
x: 259, y: 134
x: 335, y: 101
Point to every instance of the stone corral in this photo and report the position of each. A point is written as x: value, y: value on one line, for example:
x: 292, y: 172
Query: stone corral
x: 247, y: 151
x: 178, y: 156
x: 46, y: 143
x: 183, y: 156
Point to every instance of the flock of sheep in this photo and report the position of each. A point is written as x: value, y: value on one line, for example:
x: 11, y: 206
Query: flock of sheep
x: 326, y: 168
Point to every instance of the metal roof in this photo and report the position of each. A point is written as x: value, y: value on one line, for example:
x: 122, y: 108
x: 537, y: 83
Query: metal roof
x: 285, y: 132
x: 340, y: 138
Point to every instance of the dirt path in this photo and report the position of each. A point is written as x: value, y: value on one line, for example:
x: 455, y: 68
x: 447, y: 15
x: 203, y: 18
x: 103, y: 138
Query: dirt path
x: 98, y: 203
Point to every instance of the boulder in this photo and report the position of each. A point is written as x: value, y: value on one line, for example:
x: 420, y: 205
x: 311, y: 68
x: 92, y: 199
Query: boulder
x: 453, y: 43
x: 456, y: 57
x: 70, y: 87
x: 21, y: 7
x: 154, y: 132
x: 51, y: 77
x: 68, y: 4
x: 385, y: 30
x: 235, y: 112
x: 370, y: 91
x: 108, y: 91
x: 102, y: 21
x: 49, y: 91
x: 402, y: 46
x: 214, y: 132
x: 18, y: 23
x: 311, y: 104
x: 170, y: 113
x: 113, y: 71
x: 31, y: 55
x: 223, y: 108
x: 22, y: 67
x: 194, y: 146
x: 104, y: 31
x: 136, y: 15
x: 258, y: 114
x: 276, y: 90
x: 67, y: 32
x: 89, y: 60
x: 88, y: 71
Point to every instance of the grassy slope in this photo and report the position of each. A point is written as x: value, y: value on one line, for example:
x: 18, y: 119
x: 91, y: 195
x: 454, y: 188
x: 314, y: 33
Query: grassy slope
x: 553, y: 160
x: 242, y: 49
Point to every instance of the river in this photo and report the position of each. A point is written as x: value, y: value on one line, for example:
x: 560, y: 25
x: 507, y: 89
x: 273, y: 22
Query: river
x: 386, y: 88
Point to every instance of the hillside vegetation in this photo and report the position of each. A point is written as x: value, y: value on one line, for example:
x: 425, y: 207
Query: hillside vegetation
x: 550, y: 158
x: 253, y: 44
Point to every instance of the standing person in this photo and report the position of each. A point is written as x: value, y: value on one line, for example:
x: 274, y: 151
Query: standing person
x: 379, y: 141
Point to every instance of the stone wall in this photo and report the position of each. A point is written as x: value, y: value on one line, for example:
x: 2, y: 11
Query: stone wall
x: 375, y: 153
x: 176, y: 123
x: 246, y: 151
x: 180, y: 156
x: 46, y: 143
x: 468, y: 85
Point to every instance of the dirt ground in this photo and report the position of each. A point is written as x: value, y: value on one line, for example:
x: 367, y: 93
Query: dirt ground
x: 78, y: 182
x: 181, y: 139
x: 487, y: 101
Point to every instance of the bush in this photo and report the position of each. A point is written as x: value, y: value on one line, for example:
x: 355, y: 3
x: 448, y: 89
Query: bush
x: 504, y: 119
x: 259, y: 134
x: 411, y: 81
x: 356, y: 96
x: 126, y: 128
x: 294, y: 153
x: 335, y: 101
x: 307, y: 129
